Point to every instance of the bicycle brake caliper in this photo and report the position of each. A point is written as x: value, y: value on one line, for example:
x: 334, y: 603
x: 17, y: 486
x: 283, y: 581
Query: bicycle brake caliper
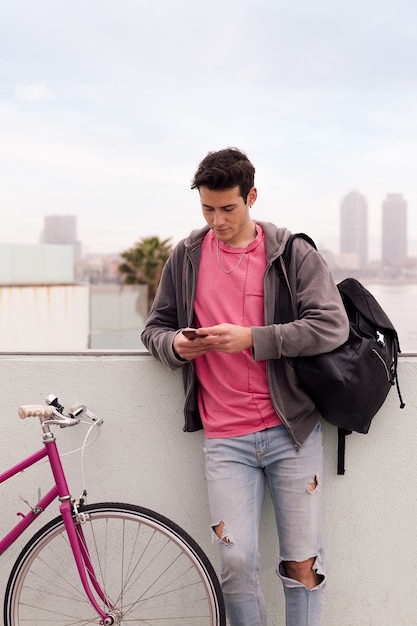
x: 79, y: 515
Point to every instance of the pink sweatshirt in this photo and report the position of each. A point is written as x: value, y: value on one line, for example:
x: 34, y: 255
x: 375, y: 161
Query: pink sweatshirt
x: 234, y: 397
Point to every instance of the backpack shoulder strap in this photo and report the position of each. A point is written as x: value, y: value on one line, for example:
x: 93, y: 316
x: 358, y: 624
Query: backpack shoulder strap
x: 341, y: 448
x: 286, y: 315
x: 284, y: 304
x: 286, y: 255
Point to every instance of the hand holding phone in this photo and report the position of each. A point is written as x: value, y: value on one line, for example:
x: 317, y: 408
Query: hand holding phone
x: 191, y: 334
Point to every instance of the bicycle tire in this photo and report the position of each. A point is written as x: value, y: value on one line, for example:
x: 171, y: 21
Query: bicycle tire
x: 149, y: 567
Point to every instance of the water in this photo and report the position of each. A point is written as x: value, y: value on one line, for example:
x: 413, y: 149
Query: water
x: 399, y: 302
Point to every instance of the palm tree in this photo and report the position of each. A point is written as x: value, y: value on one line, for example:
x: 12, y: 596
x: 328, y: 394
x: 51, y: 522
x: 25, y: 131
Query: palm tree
x: 144, y: 262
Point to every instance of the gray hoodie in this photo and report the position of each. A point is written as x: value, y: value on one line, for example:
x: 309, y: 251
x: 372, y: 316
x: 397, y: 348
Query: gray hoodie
x: 322, y: 323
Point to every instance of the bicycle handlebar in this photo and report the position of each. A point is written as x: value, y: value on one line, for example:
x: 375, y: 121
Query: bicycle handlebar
x: 53, y: 413
x: 35, y: 410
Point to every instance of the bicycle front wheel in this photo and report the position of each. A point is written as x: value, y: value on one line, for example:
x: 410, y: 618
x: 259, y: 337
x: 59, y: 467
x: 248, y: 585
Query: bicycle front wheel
x: 150, y: 570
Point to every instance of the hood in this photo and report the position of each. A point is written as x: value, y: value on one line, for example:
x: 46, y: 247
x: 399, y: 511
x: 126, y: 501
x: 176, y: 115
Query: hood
x: 275, y: 238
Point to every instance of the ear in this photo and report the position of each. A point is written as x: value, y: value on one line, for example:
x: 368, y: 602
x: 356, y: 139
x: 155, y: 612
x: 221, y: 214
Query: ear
x: 252, y: 195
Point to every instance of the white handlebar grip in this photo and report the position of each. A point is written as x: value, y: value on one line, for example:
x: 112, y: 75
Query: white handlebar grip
x: 34, y: 410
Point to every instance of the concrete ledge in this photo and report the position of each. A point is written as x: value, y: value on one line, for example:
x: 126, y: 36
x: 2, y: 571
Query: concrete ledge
x: 142, y: 456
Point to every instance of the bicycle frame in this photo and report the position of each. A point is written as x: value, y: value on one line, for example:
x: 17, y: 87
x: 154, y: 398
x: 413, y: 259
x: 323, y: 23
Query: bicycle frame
x: 75, y: 533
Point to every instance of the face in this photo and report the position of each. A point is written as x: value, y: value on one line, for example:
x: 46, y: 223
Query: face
x: 227, y: 214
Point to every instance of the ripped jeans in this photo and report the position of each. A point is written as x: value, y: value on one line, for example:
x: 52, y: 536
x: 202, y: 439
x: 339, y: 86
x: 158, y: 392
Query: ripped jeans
x: 237, y: 470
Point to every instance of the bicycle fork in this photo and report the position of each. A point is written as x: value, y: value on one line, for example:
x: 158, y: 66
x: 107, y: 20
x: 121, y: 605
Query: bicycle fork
x: 83, y: 562
x: 73, y: 524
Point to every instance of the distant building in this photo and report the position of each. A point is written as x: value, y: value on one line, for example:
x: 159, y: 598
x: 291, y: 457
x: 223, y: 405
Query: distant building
x: 394, y: 230
x: 99, y: 269
x: 41, y: 308
x: 354, y: 228
x: 61, y: 229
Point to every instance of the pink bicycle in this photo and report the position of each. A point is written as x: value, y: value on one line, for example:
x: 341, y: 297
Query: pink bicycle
x: 107, y: 563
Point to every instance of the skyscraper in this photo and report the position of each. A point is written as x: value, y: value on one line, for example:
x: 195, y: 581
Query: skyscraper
x: 354, y: 227
x: 394, y: 229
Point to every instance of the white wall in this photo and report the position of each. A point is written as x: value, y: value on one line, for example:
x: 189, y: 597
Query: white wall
x: 143, y: 456
x: 36, y: 264
x: 44, y: 318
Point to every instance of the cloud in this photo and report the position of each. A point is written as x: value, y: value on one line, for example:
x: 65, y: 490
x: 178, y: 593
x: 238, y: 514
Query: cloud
x: 112, y: 125
x: 33, y: 92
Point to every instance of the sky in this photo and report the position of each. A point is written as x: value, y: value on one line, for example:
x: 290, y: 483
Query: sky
x: 108, y: 106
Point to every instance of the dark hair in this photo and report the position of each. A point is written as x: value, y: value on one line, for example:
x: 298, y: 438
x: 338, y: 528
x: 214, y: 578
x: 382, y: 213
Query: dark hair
x: 225, y: 169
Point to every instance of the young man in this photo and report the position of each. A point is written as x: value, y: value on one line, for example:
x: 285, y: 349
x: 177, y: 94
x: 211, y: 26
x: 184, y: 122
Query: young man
x: 260, y: 428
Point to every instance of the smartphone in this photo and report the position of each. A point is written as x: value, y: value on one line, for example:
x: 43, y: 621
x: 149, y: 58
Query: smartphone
x: 191, y: 334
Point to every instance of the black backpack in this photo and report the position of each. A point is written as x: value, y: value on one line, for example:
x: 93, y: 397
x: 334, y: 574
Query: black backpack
x: 349, y: 384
